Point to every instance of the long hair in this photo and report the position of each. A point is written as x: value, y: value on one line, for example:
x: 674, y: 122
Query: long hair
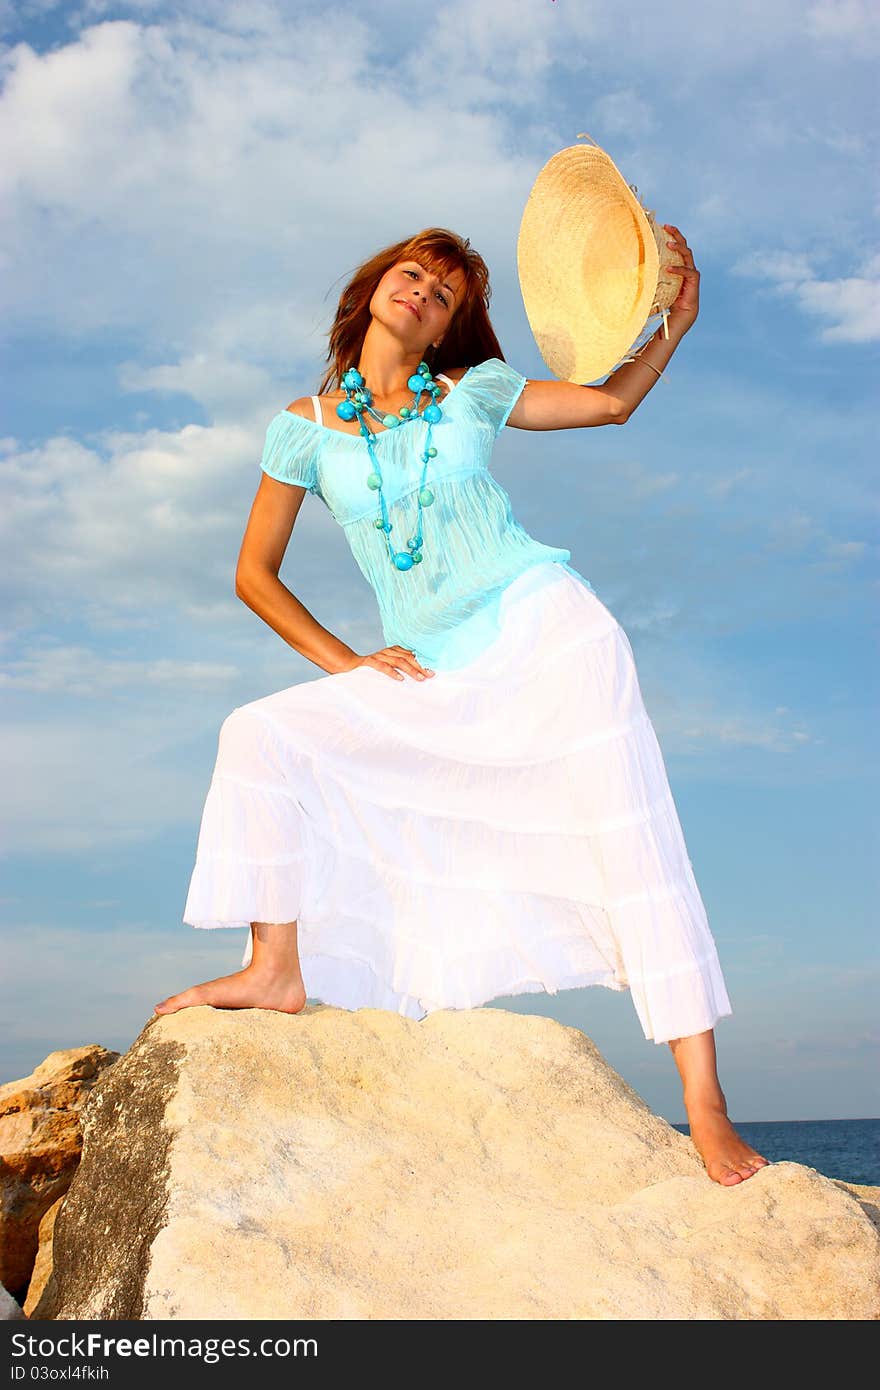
x: 470, y: 337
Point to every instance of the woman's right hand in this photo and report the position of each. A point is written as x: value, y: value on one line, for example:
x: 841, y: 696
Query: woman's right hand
x: 394, y: 661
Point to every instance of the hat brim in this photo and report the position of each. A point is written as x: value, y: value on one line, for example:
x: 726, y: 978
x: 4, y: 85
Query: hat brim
x: 588, y: 264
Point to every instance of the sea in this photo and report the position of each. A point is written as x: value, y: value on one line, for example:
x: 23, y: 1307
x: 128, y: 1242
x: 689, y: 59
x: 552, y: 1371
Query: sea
x: 848, y: 1149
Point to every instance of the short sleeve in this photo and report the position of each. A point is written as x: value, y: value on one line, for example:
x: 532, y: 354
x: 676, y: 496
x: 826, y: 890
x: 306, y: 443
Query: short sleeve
x: 290, y: 452
x: 495, y: 388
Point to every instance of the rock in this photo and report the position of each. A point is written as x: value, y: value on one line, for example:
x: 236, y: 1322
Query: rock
x: 867, y: 1197
x: 43, y: 1263
x: 10, y: 1311
x: 476, y: 1164
x: 40, y: 1146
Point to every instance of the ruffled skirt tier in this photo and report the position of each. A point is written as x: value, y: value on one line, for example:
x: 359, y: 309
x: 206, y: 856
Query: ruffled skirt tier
x: 502, y: 828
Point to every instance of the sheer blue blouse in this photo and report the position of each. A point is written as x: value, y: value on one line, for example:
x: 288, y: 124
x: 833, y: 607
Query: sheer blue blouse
x: 446, y: 608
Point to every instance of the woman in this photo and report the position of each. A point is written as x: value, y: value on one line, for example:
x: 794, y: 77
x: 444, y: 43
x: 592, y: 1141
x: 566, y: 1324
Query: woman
x: 479, y: 808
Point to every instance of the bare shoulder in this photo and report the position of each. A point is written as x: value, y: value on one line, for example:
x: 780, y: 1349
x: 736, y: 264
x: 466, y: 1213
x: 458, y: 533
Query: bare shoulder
x: 455, y: 374
x: 302, y: 406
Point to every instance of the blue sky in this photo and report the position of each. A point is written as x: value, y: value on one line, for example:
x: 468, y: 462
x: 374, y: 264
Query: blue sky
x: 186, y: 189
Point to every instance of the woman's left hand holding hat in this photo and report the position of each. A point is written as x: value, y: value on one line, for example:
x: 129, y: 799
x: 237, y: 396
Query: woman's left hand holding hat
x: 687, y: 301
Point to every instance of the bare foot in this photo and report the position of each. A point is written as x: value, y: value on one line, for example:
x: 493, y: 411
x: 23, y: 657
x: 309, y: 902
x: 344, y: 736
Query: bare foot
x: 250, y: 988
x: 728, y: 1158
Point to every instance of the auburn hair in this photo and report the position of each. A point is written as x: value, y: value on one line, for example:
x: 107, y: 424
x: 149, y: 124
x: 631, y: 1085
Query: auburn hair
x: 470, y: 337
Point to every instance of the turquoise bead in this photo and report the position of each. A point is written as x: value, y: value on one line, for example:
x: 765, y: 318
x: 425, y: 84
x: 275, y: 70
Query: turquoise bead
x: 359, y: 404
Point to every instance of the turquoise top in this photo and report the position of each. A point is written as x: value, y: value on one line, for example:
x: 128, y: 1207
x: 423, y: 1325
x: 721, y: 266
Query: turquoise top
x: 446, y: 607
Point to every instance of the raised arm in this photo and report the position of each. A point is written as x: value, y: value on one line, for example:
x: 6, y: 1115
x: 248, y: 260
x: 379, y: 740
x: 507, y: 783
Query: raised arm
x: 563, y: 405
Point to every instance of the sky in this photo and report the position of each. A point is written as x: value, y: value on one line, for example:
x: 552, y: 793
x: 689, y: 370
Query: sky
x: 185, y: 191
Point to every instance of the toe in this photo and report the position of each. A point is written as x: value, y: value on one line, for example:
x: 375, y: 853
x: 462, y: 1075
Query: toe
x: 750, y: 1166
x: 729, y: 1176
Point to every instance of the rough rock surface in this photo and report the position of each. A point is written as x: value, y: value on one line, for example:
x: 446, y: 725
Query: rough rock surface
x: 40, y: 1146
x: 477, y: 1164
x: 43, y: 1263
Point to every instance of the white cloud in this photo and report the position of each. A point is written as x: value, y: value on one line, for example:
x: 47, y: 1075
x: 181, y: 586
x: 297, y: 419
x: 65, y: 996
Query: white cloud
x: 78, y: 785
x: 136, y: 524
x: 226, y: 389
x: 787, y: 268
x: 690, y: 724
x: 722, y: 487
x: 81, y: 671
x: 854, y: 22
x: 182, y: 179
x: 191, y: 178
x: 842, y: 552
x: 624, y: 113
x: 652, y: 616
x: 641, y: 480
x: 101, y: 985
x: 797, y: 533
x: 851, y: 303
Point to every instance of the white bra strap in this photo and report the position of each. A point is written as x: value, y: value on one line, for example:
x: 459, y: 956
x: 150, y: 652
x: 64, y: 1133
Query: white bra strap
x: 316, y: 400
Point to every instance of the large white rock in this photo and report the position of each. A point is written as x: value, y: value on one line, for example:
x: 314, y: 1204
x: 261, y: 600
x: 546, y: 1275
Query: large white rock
x: 477, y: 1164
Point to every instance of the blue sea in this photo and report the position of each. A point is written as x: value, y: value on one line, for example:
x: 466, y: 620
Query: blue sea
x: 848, y: 1149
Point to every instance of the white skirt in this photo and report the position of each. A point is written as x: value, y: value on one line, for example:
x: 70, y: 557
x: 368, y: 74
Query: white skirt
x: 503, y: 828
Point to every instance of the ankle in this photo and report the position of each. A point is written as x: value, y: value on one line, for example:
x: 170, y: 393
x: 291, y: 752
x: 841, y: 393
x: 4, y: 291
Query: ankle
x: 274, y: 970
x: 701, y: 1100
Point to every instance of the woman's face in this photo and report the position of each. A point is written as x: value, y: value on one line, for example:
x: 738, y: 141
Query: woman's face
x: 432, y: 300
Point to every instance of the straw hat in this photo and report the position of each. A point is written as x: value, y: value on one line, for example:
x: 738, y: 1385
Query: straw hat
x: 591, y: 262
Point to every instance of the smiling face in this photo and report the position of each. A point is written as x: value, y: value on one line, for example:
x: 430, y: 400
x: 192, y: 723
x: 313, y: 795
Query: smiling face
x: 416, y: 304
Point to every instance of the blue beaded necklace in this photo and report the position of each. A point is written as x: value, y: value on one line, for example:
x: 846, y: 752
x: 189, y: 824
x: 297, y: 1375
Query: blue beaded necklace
x: 359, y: 402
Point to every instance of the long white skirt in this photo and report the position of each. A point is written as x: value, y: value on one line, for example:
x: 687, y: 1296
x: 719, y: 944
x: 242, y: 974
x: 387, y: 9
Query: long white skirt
x: 499, y: 829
